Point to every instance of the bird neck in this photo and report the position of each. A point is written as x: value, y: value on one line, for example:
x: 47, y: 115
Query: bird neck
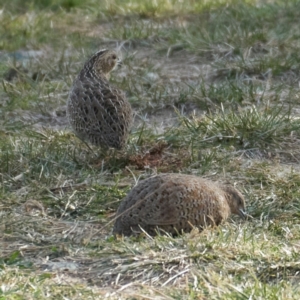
x: 90, y: 73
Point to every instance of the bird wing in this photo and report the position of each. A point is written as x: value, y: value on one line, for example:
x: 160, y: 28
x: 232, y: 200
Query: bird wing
x: 165, y: 216
x: 160, y: 209
x: 173, y: 205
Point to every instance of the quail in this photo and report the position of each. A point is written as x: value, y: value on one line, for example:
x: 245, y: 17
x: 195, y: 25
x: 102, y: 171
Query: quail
x: 176, y: 203
x: 99, y: 113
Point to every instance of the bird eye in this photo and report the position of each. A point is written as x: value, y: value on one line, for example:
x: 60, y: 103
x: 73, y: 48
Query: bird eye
x: 114, y: 56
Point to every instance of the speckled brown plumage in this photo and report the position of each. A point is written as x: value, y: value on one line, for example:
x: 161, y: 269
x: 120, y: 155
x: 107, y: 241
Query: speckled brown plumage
x: 97, y: 112
x: 175, y: 203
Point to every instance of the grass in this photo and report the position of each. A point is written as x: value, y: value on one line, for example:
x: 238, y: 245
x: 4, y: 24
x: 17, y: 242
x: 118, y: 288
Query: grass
x: 215, y: 88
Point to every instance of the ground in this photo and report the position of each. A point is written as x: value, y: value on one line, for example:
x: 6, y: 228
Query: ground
x: 216, y: 93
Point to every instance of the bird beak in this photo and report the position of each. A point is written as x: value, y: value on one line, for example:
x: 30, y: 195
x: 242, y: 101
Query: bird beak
x: 242, y: 214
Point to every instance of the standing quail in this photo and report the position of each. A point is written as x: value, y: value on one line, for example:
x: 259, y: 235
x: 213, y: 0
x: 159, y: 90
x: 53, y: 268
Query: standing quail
x: 176, y: 203
x: 97, y: 112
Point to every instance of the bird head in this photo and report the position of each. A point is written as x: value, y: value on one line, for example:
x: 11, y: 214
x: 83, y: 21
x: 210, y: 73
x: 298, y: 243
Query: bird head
x: 235, y: 200
x: 103, y: 62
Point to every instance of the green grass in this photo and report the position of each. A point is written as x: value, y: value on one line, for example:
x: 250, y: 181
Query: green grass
x: 215, y: 88
x: 248, y: 129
